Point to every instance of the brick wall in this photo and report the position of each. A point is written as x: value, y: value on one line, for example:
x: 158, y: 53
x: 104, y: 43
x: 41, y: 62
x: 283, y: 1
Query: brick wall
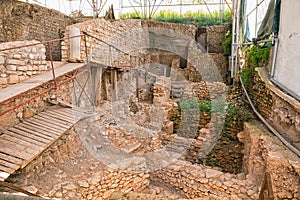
x: 24, y: 21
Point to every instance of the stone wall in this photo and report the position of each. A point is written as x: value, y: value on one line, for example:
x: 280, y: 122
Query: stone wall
x: 24, y: 21
x: 38, y: 104
x: 279, y: 108
x: 103, y: 184
x: 264, y: 157
x: 127, y: 35
x: 19, y: 64
x: 211, y: 38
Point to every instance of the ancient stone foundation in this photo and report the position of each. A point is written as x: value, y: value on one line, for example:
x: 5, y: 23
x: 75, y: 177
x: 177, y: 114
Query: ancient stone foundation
x: 19, y: 64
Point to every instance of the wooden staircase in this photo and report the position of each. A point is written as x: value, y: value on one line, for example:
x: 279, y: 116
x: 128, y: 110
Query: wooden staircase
x: 23, y: 142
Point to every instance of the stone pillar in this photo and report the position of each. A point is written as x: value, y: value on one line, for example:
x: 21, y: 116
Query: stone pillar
x: 74, y: 45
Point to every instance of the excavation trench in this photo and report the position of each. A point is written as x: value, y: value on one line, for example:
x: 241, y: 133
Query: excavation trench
x: 154, y: 142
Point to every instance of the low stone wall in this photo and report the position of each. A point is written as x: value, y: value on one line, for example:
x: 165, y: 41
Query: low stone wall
x: 38, y: 104
x: 19, y: 64
x: 265, y: 157
x: 200, y: 181
x: 110, y: 180
x: 269, y: 171
x: 279, y: 108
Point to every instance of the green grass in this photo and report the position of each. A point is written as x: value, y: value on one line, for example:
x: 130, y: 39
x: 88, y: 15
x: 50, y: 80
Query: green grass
x: 198, y: 18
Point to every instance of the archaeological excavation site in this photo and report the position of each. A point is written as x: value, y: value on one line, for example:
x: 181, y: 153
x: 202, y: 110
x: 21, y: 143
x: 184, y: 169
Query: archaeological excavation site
x: 140, y: 107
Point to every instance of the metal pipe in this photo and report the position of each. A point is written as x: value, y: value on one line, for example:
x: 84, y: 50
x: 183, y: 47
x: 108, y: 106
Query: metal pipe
x: 258, y: 42
x: 276, y: 41
x: 38, y: 95
x: 233, y: 37
x: 52, y: 66
x: 237, y: 38
x: 277, y: 134
x: 285, y: 89
x: 43, y: 42
x: 256, y: 19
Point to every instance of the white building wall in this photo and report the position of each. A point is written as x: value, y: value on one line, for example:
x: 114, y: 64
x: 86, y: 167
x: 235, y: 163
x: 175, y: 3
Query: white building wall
x: 287, y: 70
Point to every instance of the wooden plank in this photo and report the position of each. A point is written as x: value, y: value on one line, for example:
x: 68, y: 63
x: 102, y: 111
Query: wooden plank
x: 40, y: 129
x: 58, y: 116
x: 19, y: 141
x: 49, y: 124
x: 16, y: 152
x: 72, y: 112
x: 3, y: 175
x: 70, y: 116
x: 9, y: 158
x: 6, y: 169
x: 42, y: 126
x: 33, y: 141
x: 55, y: 121
x: 20, y: 127
x: 20, y: 132
x: 16, y: 146
x: 9, y: 165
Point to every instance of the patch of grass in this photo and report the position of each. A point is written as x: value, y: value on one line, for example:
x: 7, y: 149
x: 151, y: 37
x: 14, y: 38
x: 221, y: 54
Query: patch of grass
x: 207, y: 106
x: 197, y: 18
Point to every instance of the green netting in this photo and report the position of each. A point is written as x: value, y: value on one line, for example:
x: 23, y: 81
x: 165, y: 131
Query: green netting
x: 270, y: 22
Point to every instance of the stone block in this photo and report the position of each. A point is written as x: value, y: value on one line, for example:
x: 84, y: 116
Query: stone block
x: 2, y: 60
x: 11, y: 72
x: 22, y: 68
x: 17, y: 56
x: 11, y: 67
x: 31, y: 56
x: 42, y: 67
x: 3, y: 81
x: 13, y: 78
x: 29, y: 73
x: 3, y: 75
x: 35, y: 68
x: 22, y: 78
x: 15, y: 62
x: 29, y: 68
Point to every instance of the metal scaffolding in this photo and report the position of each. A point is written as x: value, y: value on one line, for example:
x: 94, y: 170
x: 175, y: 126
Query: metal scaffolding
x: 147, y: 8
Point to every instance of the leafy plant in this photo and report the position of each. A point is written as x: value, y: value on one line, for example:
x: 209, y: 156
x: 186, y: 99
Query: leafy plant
x: 258, y: 57
x: 227, y: 43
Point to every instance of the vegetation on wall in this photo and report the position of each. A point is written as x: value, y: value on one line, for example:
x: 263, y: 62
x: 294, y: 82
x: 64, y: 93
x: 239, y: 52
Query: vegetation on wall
x: 256, y: 57
x: 198, y: 18
x: 227, y: 43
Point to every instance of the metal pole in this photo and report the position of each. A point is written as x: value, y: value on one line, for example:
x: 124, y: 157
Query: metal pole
x: 237, y: 42
x: 52, y: 66
x: 233, y: 38
x: 256, y: 18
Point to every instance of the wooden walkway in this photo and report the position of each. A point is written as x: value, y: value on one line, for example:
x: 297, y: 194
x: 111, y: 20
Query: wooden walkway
x: 23, y: 142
